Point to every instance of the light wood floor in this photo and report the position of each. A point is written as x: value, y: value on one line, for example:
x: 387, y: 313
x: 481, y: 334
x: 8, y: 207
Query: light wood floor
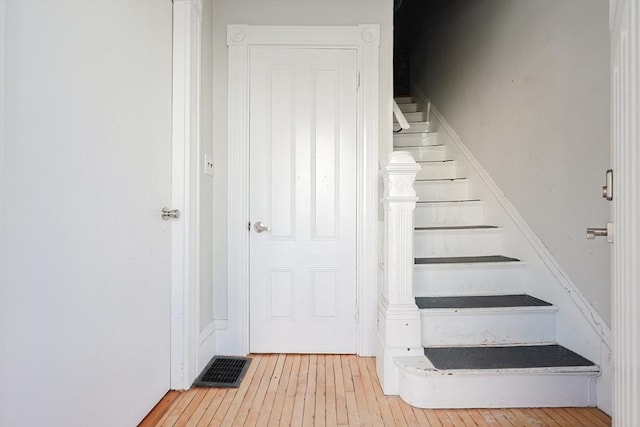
x: 330, y: 390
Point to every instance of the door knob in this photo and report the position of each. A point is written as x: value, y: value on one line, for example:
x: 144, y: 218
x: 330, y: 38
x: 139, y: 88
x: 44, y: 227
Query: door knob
x: 607, y: 232
x: 170, y: 213
x: 260, y: 227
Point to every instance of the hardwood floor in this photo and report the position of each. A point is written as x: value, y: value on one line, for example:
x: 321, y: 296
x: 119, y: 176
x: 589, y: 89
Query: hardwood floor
x: 334, y: 390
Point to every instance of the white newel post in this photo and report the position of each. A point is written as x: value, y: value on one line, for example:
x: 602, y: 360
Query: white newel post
x: 398, y: 315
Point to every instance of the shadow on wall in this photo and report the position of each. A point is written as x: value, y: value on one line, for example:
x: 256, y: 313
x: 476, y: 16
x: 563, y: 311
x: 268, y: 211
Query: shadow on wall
x: 525, y: 84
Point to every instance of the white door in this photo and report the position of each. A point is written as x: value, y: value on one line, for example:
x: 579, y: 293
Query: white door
x: 625, y: 74
x: 302, y: 186
x: 86, y: 257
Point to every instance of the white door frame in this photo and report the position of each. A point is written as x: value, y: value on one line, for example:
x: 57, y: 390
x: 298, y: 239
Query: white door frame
x: 365, y: 39
x: 185, y: 181
x: 2, y: 148
x: 625, y: 32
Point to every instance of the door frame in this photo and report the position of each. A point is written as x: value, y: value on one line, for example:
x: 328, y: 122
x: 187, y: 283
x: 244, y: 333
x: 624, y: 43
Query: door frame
x: 185, y: 193
x: 365, y: 39
x: 624, y: 23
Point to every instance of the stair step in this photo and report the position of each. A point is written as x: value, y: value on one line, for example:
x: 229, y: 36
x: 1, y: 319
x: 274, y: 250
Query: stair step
x: 497, y: 377
x: 456, y: 279
x: 403, y: 99
x: 444, y: 169
x: 457, y: 227
x: 414, y: 139
x: 426, y: 153
x: 505, y: 357
x: 457, y: 241
x: 448, y: 212
x: 416, y: 126
x: 480, y: 301
x: 486, y: 324
x: 409, y: 107
x: 416, y: 116
x: 466, y: 259
x: 442, y: 189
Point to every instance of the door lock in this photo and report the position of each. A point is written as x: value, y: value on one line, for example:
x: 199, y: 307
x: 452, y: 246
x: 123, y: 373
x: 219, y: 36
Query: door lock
x: 170, y: 213
x: 607, y: 232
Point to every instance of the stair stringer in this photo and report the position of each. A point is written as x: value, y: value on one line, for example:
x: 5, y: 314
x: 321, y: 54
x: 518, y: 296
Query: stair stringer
x: 578, y: 325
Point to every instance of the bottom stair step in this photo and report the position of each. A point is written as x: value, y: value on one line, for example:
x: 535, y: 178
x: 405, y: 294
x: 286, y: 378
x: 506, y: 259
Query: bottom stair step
x: 497, y: 377
x: 505, y: 357
x: 480, y: 301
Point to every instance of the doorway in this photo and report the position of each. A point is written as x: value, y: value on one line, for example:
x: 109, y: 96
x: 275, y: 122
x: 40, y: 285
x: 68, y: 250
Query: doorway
x: 363, y: 41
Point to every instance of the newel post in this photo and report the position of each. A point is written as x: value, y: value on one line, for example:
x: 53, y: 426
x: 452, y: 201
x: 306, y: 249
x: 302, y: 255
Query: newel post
x: 398, y: 315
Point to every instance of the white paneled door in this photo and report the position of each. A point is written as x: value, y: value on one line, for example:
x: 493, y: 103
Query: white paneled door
x: 85, y: 307
x: 303, y: 200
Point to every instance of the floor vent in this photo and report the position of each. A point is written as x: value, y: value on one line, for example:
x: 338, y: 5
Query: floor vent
x: 223, y: 371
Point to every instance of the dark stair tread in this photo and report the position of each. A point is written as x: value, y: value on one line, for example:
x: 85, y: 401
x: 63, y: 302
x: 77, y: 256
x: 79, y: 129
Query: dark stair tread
x: 440, y: 179
x: 465, y: 259
x: 458, y: 227
x: 431, y: 161
x: 481, y: 301
x: 409, y: 132
x: 511, y: 357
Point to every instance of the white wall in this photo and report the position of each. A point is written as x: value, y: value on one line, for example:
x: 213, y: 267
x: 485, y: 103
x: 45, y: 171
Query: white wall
x: 284, y: 12
x: 207, y: 324
x: 206, y: 182
x: 526, y: 86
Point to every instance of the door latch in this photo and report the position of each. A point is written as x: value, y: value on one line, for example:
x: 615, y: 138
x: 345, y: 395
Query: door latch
x: 607, y: 232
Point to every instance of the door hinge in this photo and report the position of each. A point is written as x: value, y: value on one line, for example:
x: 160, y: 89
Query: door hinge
x: 358, y: 81
x: 249, y: 226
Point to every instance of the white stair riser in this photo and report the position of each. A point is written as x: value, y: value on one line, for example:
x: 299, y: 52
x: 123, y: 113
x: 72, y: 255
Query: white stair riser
x: 462, y: 213
x: 438, y: 390
x: 411, y: 107
x: 427, y: 153
x: 437, y: 170
x: 442, y: 190
x: 417, y: 116
x: 443, y: 243
x: 415, y: 140
x: 487, y: 326
x: 403, y: 99
x: 458, y: 280
x: 417, y: 127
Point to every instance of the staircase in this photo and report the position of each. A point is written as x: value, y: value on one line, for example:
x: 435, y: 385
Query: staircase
x: 486, y: 343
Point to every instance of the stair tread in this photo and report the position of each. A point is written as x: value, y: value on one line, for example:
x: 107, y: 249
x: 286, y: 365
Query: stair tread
x: 457, y: 227
x: 435, y: 161
x: 448, y: 201
x: 505, y: 357
x: 419, y: 146
x: 441, y: 179
x: 465, y: 259
x: 410, y: 132
x: 480, y: 301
